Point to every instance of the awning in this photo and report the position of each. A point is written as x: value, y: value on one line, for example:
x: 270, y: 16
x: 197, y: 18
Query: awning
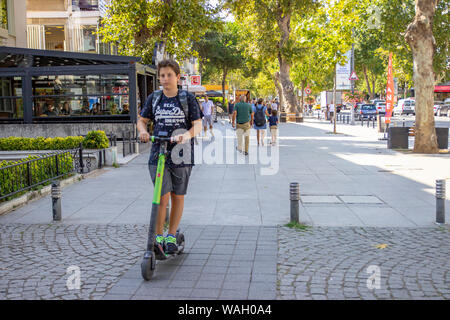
x: 442, y: 88
x: 196, y: 89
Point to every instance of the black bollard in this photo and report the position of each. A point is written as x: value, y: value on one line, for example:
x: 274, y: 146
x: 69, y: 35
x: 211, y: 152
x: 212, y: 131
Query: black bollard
x: 56, y: 200
x: 440, y: 201
x: 295, y: 197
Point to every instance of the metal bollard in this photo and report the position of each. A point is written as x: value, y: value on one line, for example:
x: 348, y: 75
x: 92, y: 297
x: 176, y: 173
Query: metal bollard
x: 295, y: 197
x: 362, y: 121
x: 56, y: 200
x: 440, y: 201
x: 168, y: 213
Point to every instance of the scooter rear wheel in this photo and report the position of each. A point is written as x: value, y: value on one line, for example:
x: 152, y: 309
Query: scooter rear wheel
x: 180, y: 241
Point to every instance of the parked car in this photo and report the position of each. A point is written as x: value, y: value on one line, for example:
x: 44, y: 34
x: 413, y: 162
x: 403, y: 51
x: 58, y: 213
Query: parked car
x: 405, y: 106
x: 436, y: 106
x: 381, y: 107
x: 367, y: 111
x: 444, y: 110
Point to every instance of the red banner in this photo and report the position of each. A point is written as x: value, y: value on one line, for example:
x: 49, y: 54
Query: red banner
x: 389, y: 92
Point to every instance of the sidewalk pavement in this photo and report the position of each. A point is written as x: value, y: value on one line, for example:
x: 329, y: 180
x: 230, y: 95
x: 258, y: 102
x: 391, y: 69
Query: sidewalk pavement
x: 345, y: 180
x: 349, y: 181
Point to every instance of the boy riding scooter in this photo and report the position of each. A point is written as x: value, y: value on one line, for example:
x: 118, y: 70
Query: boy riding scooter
x: 175, y: 114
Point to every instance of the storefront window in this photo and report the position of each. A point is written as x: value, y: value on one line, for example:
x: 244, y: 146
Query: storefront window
x: 75, y: 95
x: 11, y: 103
x: 85, y: 5
x: 89, y: 39
x: 55, y: 38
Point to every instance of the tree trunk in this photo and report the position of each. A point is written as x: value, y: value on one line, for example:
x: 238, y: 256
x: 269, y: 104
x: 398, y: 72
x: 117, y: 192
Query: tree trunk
x: 224, y: 78
x: 276, y: 80
x: 334, y: 100
x: 284, y: 21
x: 374, y: 78
x: 369, y: 90
x: 303, y: 93
x: 419, y: 36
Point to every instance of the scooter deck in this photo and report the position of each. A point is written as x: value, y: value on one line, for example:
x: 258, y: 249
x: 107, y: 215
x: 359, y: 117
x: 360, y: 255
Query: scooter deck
x: 170, y: 256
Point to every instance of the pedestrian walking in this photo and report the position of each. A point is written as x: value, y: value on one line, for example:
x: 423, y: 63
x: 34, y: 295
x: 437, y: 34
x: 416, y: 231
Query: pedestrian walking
x: 231, y: 110
x: 275, y: 106
x: 331, y: 109
x: 273, y: 124
x: 260, y: 124
x: 207, y: 108
x: 242, y: 121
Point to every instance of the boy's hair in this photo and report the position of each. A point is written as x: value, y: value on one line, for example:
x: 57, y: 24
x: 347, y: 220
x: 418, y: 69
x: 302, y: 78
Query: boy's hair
x: 274, y: 112
x: 260, y: 101
x: 171, y: 64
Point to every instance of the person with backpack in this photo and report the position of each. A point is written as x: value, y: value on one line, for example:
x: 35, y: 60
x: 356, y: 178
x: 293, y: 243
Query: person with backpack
x: 260, y: 112
x: 175, y: 113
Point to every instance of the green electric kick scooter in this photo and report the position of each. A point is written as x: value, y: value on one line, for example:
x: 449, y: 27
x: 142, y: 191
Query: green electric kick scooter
x: 148, y: 264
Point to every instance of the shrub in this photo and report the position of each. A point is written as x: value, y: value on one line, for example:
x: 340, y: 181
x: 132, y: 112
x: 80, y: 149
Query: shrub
x: 93, y: 140
x: 96, y: 140
x: 16, y: 178
x: 39, y: 143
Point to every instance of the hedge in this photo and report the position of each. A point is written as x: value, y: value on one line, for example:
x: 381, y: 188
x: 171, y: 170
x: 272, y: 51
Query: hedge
x: 16, y: 178
x: 93, y: 140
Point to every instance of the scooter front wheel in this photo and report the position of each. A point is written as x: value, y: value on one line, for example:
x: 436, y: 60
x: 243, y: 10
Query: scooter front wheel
x: 148, y: 265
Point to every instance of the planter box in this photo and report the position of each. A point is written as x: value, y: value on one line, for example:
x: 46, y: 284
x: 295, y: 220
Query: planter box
x: 398, y: 138
x: 442, y: 138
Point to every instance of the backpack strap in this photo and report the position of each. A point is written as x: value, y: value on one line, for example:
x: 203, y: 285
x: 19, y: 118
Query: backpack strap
x: 183, y: 98
x: 157, y: 95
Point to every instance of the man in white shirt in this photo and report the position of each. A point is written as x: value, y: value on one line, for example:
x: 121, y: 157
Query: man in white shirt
x: 207, y: 109
x: 331, y: 110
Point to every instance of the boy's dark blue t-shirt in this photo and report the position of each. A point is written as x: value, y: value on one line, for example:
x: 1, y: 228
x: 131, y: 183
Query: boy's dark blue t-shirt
x: 273, y: 120
x: 169, y: 116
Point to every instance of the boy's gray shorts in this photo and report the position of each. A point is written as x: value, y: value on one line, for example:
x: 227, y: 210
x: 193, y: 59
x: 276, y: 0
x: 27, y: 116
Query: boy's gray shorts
x: 174, y: 179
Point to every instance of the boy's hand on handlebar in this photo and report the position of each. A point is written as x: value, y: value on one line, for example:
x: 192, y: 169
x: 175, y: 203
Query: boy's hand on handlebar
x: 181, y: 138
x: 144, y: 136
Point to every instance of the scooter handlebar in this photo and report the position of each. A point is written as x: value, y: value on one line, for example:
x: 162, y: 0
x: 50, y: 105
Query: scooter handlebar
x: 161, y: 139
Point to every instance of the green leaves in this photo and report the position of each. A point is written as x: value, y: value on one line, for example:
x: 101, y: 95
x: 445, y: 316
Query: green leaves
x: 137, y: 25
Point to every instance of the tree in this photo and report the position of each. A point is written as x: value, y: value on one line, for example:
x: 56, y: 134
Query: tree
x: 136, y: 26
x: 269, y: 24
x: 219, y: 50
x: 419, y: 36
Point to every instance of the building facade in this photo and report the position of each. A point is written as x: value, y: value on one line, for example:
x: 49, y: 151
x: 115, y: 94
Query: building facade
x: 13, y: 23
x: 66, y: 25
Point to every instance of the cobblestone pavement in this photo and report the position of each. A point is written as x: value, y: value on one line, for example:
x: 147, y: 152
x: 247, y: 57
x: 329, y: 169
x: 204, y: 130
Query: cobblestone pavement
x: 34, y: 259
x: 225, y: 262
x: 333, y: 263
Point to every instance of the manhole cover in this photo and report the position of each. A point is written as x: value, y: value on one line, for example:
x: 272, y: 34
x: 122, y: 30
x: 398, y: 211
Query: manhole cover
x: 320, y: 199
x: 361, y: 199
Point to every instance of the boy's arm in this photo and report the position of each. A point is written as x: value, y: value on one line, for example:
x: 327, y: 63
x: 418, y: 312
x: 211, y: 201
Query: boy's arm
x: 234, y: 118
x: 142, y: 128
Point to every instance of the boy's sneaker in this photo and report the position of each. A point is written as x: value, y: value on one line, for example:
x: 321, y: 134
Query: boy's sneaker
x: 159, y: 246
x: 171, y: 244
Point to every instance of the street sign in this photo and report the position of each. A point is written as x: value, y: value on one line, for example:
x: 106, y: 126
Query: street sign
x: 184, y: 79
x: 196, y: 80
x: 353, y: 76
x: 308, y: 90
